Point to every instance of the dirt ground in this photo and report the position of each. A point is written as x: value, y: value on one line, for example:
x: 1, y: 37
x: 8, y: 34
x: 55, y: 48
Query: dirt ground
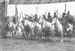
x: 10, y: 44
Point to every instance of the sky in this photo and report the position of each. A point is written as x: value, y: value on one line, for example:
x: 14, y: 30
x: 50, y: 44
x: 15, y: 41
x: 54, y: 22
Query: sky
x: 42, y: 9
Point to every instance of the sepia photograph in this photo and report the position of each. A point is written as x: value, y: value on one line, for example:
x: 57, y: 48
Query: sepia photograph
x: 37, y: 25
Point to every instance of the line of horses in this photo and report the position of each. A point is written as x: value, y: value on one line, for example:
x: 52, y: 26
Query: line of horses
x: 43, y: 28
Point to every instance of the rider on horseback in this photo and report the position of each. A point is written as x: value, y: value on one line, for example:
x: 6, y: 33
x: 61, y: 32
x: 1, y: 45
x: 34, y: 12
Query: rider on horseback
x: 44, y: 17
x: 68, y: 13
x: 49, y: 17
x: 63, y: 15
x: 55, y: 15
x: 36, y: 18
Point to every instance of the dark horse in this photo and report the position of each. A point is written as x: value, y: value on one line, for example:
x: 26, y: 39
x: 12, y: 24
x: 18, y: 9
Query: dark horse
x: 8, y: 29
x: 65, y: 20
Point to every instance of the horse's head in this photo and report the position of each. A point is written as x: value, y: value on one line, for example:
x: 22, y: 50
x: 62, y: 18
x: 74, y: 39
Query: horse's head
x: 54, y: 21
x: 71, y: 20
x: 40, y: 20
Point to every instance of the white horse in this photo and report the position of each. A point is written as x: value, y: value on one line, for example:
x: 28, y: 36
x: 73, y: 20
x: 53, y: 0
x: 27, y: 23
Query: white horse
x: 59, y: 26
x: 36, y: 29
x: 27, y: 22
x: 70, y: 29
x: 49, y: 24
x: 45, y: 23
x: 13, y: 27
x: 37, y: 24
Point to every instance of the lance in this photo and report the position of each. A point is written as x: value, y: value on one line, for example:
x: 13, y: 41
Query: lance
x: 16, y: 11
x: 6, y: 5
x: 37, y: 11
x: 65, y: 8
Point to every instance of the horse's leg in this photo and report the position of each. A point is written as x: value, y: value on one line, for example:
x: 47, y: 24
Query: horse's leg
x: 24, y: 33
x: 4, y: 34
x: 27, y: 34
x: 61, y: 37
x: 72, y: 33
x: 31, y: 34
x: 15, y: 33
x: 11, y: 33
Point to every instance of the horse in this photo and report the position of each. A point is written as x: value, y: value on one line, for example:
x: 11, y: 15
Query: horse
x: 45, y: 24
x: 9, y: 28
x: 37, y: 28
x: 33, y: 26
x: 70, y: 29
x: 68, y: 23
x: 28, y: 27
x: 12, y: 25
x: 58, y: 27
